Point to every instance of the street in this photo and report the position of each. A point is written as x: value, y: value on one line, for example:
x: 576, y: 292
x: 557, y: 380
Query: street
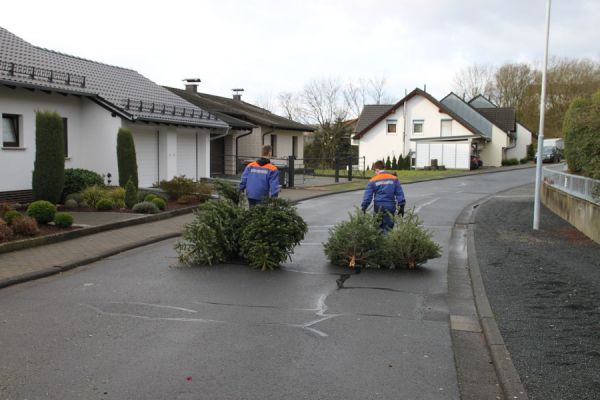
x: 140, y: 326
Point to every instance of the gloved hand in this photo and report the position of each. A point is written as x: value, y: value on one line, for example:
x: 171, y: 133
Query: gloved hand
x: 401, y: 210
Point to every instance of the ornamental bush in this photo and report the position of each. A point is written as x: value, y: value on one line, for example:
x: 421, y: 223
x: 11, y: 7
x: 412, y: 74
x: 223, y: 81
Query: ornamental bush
x: 269, y: 233
x: 187, y: 199
x: 4, y: 208
x: 5, y: 232
x: 408, y: 244
x: 356, y: 242
x: 582, y: 141
x: 150, y: 197
x: 126, y: 158
x: 227, y: 190
x: 160, y: 203
x: 77, y: 179
x: 63, y: 220
x: 145, y: 207
x: 25, y: 226
x: 213, y: 236
x: 117, y: 195
x: 130, y: 194
x: 11, y: 215
x: 49, y: 166
x: 92, y: 195
x: 77, y: 197
x: 43, y: 211
x: 180, y: 185
x: 510, y: 161
x: 105, y: 204
x: 71, y: 204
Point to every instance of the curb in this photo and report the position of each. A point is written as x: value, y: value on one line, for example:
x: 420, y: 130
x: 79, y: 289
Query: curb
x: 506, y: 372
x: 59, y: 237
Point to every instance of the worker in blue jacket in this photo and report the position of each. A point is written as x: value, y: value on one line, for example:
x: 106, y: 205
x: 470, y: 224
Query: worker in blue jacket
x: 385, y: 191
x: 260, y: 179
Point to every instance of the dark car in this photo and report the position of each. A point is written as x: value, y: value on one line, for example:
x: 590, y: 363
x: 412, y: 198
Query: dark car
x: 476, y: 162
x: 550, y: 154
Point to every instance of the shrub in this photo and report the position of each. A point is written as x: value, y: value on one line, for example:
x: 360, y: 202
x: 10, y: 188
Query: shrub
x: 4, y: 208
x: 582, y: 142
x: 510, y: 161
x: 150, y: 197
x: 126, y: 158
x: 63, y: 220
x: 227, y: 190
x: 5, y: 232
x: 77, y: 179
x: 524, y: 160
x: 105, y: 204
x: 160, y: 203
x: 49, y: 166
x: 213, y: 235
x: 77, y: 197
x: 269, y: 233
x: 130, y: 194
x: 43, y: 211
x: 356, y: 242
x: 145, y: 207
x: 11, y: 215
x: 187, y: 199
x: 25, y: 226
x: 91, y: 195
x: 117, y: 195
x: 71, y: 204
x: 180, y: 185
x: 408, y: 244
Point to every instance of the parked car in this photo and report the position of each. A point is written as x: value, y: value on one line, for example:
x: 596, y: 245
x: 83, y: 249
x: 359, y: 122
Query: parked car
x: 550, y: 154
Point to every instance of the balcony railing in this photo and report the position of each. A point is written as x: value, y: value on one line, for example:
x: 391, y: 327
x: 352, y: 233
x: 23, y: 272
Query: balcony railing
x: 578, y: 186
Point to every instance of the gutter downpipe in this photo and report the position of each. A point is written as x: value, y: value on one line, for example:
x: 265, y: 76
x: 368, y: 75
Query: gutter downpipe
x: 221, y: 136
x: 267, y: 133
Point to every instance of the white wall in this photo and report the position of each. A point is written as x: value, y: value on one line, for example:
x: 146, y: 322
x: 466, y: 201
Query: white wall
x: 491, y: 154
x: 91, y: 130
x: 523, y: 140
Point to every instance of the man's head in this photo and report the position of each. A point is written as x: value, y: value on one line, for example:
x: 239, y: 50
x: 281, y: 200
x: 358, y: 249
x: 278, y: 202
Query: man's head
x: 266, y: 151
x: 378, y: 165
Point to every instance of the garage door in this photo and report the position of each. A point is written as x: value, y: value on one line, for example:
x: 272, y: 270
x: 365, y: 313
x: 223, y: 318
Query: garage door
x: 451, y: 155
x: 146, y: 151
x: 186, y: 155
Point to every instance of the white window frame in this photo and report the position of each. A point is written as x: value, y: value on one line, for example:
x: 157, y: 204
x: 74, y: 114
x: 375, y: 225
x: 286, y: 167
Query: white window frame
x: 388, y: 123
x: 442, y: 127
x: 415, y: 123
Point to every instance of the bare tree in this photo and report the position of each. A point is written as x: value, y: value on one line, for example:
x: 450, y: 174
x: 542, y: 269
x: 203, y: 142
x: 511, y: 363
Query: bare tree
x: 290, y: 104
x: 323, y: 101
x: 265, y: 100
x: 376, y: 90
x: 355, y: 97
x: 474, y: 80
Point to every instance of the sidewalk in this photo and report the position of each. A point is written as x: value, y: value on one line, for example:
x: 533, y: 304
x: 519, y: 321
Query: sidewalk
x: 36, y: 262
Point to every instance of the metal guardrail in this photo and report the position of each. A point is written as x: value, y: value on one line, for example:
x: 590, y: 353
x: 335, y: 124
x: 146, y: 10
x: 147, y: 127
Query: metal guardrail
x: 578, y: 186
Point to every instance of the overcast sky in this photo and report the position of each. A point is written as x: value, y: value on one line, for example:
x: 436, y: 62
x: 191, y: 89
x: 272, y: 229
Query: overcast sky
x: 268, y: 46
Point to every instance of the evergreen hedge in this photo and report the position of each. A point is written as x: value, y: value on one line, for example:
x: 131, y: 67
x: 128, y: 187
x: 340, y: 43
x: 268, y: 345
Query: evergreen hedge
x: 582, y: 139
x: 49, y: 166
x: 77, y: 179
x: 126, y: 158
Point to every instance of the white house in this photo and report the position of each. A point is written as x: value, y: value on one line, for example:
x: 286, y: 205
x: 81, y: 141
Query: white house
x: 171, y: 135
x: 449, y: 131
x: 252, y: 127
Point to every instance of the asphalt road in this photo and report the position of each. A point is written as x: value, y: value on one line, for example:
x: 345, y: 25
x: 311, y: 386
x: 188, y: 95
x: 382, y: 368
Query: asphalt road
x: 139, y: 326
x: 544, y: 287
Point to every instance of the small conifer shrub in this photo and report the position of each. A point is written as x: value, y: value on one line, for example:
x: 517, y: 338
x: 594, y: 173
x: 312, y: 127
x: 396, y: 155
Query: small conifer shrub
x: 49, y: 166
x: 130, y: 194
x: 63, y: 220
x: 105, y: 204
x: 43, y: 211
x: 145, y: 207
x: 11, y: 215
x: 126, y: 158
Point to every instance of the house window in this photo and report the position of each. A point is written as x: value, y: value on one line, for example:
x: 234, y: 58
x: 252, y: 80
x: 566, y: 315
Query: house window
x: 295, y: 146
x: 446, y: 127
x: 10, y: 130
x: 391, y: 126
x: 66, y: 137
x: 274, y: 145
x: 418, y: 126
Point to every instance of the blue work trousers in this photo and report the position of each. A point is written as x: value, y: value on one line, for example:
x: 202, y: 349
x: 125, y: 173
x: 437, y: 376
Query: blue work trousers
x: 387, y: 213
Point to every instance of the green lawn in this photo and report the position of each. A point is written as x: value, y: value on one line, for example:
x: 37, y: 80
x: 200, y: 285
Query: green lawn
x: 403, y: 176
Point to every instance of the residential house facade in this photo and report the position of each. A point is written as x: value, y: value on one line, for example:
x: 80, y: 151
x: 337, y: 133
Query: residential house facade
x: 252, y: 127
x: 448, y: 131
x: 172, y: 136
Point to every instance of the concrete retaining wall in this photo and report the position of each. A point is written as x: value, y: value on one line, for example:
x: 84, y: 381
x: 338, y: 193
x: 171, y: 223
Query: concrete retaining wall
x: 582, y: 214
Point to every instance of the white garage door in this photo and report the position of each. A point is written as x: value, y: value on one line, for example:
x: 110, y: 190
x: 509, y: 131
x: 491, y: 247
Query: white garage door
x: 146, y: 151
x: 186, y: 155
x: 451, y: 155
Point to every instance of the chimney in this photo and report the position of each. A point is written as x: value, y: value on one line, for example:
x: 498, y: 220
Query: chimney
x: 237, y: 94
x: 191, y: 84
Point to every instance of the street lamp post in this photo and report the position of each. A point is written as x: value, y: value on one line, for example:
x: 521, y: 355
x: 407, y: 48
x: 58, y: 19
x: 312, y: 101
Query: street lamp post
x: 538, y: 169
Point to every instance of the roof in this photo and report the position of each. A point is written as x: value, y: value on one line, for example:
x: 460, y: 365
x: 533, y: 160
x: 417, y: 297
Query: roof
x: 480, y: 101
x: 369, y: 114
x: 418, y: 92
x: 504, y: 118
x: 213, y: 108
x: 242, y: 111
x: 469, y: 114
x: 121, y: 90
